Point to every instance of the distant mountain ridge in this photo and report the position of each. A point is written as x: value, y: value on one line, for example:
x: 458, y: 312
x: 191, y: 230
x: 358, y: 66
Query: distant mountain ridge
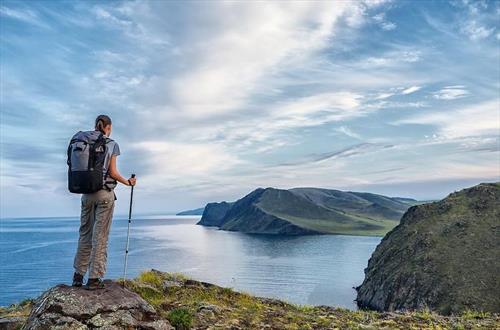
x: 198, y: 211
x: 301, y: 211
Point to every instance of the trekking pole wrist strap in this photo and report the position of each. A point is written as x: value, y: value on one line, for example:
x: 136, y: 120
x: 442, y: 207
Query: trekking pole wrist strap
x: 129, y: 183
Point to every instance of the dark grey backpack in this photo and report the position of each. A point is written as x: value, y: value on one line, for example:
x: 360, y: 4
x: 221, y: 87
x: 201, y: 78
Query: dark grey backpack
x: 86, y: 156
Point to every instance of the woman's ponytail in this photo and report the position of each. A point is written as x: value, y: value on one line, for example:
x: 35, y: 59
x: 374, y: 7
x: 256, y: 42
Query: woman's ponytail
x: 101, y: 122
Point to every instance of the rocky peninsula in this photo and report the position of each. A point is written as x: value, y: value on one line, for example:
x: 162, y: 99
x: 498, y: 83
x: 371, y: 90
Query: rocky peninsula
x: 305, y: 211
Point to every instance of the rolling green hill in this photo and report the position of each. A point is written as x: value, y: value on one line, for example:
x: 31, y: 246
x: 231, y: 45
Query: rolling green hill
x: 300, y: 211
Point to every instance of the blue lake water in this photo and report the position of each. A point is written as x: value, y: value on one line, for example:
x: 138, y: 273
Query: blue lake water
x: 37, y: 253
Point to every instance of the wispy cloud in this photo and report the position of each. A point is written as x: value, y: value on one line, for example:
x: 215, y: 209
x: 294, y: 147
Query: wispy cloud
x: 472, y: 120
x: 476, y: 31
x: 357, y: 149
x: 410, y: 90
x: 267, y: 39
x: 384, y: 95
x: 174, y: 163
x: 479, y: 20
x: 381, y: 20
x: 395, y: 58
x: 451, y: 93
x: 350, y: 151
x: 24, y: 15
x: 347, y: 131
x: 271, y: 127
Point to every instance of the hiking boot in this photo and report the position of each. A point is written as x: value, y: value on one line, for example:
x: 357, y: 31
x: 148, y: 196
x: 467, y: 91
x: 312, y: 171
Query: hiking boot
x: 77, y: 280
x: 94, y: 284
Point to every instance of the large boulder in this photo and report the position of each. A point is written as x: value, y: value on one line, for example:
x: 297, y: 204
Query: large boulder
x: 12, y: 323
x: 443, y: 256
x: 114, y: 307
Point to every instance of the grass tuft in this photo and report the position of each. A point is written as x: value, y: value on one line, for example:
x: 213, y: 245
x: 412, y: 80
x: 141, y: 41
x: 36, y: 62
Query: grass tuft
x: 471, y: 315
x: 176, y: 277
x: 180, y: 318
x: 152, y: 278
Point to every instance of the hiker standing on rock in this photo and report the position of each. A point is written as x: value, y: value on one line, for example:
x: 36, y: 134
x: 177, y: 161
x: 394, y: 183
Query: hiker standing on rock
x: 93, y: 173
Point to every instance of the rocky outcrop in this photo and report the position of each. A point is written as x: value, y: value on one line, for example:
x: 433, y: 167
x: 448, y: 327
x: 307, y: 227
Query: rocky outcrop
x: 114, y: 307
x: 12, y: 323
x: 443, y: 256
x: 191, y: 304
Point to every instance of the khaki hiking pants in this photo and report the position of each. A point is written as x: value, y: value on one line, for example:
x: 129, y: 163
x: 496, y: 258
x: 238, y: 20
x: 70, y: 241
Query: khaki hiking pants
x: 95, y: 223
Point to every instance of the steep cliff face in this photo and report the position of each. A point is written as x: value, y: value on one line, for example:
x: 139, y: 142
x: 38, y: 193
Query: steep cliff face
x: 214, y: 213
x: 443, y: 256
x: 301, y: 211
x: 246, y: 216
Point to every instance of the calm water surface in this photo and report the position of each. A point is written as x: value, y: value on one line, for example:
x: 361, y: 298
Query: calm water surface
x: 37, y: 253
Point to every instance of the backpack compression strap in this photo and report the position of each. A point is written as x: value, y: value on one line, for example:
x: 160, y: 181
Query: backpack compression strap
x: 114, y: 182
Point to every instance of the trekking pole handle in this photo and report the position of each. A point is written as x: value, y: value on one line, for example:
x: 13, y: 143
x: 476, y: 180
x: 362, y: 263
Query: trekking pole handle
x: 132, y: 176
x: 131, y: 197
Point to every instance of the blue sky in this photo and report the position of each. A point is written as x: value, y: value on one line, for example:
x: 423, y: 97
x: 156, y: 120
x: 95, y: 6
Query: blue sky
x: 213, y: 99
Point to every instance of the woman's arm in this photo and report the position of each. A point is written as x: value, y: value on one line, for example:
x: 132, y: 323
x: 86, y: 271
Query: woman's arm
x: 113, y: 172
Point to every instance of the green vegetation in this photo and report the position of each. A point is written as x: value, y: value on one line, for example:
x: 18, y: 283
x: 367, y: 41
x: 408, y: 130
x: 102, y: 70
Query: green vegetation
x: 357, y: 225
x: 189, y: 304
x: 203, y: 305
x: 150, y: 278
x: 443, y: 255
x: 15, y: 310
x: 149, y: 288
x: 180, y: 318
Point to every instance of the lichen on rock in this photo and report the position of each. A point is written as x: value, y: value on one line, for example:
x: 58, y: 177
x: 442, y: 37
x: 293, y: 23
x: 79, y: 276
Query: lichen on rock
x: 114, y: 307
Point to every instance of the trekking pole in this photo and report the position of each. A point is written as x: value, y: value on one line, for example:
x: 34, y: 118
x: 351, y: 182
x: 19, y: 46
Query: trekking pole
x: 128, y: 233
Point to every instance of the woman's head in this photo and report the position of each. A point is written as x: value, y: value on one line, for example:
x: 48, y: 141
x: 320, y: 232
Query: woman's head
x: 103, y: 124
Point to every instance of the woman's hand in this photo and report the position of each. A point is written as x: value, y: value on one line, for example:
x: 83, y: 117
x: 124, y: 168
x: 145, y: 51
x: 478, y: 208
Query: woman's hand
x: 132, y: 181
